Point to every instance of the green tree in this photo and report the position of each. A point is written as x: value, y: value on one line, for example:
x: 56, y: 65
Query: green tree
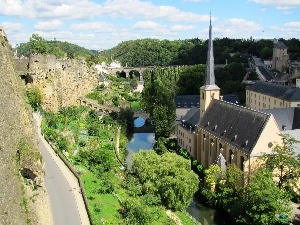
x: 125, y: 117
x: 38, y: 44
x: 262, y: 202
x: 158, y: 100
x: 266, y: 53
x: 284, y: 162
x: 171, y: 178
x: 34, y: 97
x: 191, y: 79
x: 252, y: 76
x: 222, y: 188
x: 137, y: 212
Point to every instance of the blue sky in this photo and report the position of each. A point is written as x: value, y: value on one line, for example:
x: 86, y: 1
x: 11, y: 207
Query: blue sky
x: 104, y: 24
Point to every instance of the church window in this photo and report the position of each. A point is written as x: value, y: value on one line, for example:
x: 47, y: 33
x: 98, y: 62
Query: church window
x: 242, y: 160
x: 230, y: 157
x: 202, y: 95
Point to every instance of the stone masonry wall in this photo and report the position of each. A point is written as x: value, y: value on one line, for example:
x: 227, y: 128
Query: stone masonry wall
x: 61, y: 81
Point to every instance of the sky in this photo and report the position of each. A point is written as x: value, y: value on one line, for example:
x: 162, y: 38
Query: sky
x: 96, y: 24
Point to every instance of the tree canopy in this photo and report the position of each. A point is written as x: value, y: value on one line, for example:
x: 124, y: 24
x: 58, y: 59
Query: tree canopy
x: 171, y: 178
x: 284, y: 162
x: 262, y: 202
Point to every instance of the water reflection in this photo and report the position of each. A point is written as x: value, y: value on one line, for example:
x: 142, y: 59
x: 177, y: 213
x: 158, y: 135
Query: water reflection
x: 201, y: 213
x: 139, y: 141
x: 139, y: 122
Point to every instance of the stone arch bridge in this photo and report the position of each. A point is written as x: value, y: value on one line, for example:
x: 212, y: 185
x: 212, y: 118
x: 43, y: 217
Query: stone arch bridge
x: 93, y: 104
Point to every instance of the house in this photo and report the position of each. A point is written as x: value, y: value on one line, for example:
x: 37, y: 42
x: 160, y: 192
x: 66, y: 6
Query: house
x: 266, y: 95
x: 225, y: 133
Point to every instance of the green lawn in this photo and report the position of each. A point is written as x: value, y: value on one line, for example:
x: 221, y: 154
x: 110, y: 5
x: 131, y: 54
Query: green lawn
x: 101, y: 205
x: 135, y: 105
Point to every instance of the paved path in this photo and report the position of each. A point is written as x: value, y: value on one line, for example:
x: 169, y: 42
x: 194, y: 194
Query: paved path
x: 63, y: 189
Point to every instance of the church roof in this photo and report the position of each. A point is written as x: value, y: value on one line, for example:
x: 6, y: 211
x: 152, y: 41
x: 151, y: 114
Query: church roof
x: 276, y: 90
x: 235, y: 125
x: 191, y: 119
x: 286, y: 118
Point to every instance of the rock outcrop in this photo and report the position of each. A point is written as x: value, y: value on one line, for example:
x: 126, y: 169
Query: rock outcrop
x: 62, y: 81
x: 18, y: 146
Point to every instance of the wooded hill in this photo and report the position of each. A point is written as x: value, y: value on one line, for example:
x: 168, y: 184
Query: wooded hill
x: 154, y: 52
x: 149, y: 52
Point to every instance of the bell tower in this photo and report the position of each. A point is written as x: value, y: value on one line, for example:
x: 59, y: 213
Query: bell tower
x: 210, y: 90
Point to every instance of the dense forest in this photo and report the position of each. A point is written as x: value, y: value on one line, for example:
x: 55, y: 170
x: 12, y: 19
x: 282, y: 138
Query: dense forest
x: 154, y: 52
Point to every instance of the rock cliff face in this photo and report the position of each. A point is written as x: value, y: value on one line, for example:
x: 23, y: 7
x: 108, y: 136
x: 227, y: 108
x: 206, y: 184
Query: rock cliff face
x: 62, y: 81
x: 18, y: 145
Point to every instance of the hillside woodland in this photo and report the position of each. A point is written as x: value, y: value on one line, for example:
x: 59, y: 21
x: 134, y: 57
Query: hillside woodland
x: 22, y: 198
x: 149, y: 52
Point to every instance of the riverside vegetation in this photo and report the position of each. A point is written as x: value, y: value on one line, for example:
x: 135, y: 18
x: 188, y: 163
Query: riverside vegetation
x: 115, y: 194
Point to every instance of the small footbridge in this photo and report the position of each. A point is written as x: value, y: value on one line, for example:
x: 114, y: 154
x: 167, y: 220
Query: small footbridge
x: 141, y: 113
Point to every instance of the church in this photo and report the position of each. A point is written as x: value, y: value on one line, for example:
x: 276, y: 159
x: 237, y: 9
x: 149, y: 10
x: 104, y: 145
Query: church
x: 225, y: 133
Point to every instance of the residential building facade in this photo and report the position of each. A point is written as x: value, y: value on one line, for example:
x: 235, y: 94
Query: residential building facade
x: 266, y: 95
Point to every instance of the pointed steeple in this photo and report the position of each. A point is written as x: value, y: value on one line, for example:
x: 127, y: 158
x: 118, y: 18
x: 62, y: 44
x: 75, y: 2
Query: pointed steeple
x: 210, y: 90
x: 210, y: 72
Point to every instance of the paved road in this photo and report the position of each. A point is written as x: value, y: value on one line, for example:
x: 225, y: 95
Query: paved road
x: 63, y: 188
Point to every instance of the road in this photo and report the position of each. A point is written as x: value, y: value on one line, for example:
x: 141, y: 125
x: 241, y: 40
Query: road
x: 62, y: 186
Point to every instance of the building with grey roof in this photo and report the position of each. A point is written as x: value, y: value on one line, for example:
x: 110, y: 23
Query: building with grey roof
x: 266, y: 95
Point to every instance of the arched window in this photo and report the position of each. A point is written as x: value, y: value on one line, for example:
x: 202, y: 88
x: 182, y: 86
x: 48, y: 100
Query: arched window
x: 220, y: 147
x: 211, y: 146
x: 230, y: 158
x: 202, y: 95
x: 242, y: 160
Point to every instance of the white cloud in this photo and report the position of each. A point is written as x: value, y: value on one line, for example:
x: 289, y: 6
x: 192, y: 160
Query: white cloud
x: 86, y: 9
x: 94, y: 26
x: 182, y: 27
x: 11, y: 28
x: 287, y: 30
x: 279, y: 4
x: 234, y: 28
x: 48, y: 25
x: 155, y: 29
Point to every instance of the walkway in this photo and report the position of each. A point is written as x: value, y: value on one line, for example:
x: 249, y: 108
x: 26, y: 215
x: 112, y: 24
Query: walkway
x: 62, y: 186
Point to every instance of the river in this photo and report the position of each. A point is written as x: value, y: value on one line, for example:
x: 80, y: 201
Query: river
x: 204, y: 215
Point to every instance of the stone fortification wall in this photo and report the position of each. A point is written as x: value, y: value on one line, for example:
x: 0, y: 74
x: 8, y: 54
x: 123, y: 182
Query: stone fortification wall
x: 61, y: 81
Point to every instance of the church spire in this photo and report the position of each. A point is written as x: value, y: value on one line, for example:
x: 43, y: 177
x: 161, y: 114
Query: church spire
x: 210, y: 73
x: 210, y: 90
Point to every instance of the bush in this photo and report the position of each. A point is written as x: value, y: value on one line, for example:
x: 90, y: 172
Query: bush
x: 34, y: 97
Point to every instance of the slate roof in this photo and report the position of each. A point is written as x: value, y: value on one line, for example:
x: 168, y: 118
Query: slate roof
x: 235, y: 125
x: 286, y: 118
x: 191, y: 119
x: 232, y: 98
x: 276, y: 90
x: 265, y: 72
x: 280, y: 45
x: 187, y: 101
